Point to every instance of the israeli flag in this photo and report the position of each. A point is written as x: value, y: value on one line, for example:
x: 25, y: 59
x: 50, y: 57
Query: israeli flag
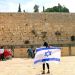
x: 46, y: 55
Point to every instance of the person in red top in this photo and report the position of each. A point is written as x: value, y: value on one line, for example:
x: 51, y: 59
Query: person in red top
x: 7, y: 53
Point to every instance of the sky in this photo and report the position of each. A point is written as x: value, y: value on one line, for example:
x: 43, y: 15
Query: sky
x: 28, y: 5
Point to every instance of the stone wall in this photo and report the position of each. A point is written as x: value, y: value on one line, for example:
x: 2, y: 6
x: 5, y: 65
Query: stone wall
x: 22, y: 52
x: 34, y: 28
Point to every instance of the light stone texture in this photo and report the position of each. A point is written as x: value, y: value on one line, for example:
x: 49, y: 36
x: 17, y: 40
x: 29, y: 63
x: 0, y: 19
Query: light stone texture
x: 16, y: 28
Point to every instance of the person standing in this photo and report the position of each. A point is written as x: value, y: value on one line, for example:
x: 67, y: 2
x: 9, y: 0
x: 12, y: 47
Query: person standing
x: 30, y: 52
x: 46, y: 45
x: 2, y: 53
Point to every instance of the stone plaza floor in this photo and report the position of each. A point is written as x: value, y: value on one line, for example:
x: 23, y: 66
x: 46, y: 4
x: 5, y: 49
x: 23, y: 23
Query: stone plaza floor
x: 25, y: 66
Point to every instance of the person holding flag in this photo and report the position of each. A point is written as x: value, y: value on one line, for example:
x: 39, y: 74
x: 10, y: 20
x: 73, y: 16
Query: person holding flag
x: 46, y: 45
x: 47, y: 54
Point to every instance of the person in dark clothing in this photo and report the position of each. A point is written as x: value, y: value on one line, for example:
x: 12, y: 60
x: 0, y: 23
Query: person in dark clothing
x: 46, y: 45
x: 2, y: 55
x: 33, y: 53
x: 30, y: 52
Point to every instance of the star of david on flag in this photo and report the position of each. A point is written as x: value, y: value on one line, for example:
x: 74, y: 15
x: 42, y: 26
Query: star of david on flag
x: 47, y: 53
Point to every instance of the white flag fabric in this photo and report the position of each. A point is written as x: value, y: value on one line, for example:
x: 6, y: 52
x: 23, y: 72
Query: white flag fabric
x: 1, y: 51
x: 47, y: 55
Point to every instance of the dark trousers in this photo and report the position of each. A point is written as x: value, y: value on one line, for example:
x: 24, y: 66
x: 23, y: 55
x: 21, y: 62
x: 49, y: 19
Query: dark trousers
x: 2, y: 56
x: 44, y: 66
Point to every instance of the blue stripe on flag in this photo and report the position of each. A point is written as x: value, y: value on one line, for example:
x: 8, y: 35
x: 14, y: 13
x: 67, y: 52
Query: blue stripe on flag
x: 47, y: 59
x: 53, y: 48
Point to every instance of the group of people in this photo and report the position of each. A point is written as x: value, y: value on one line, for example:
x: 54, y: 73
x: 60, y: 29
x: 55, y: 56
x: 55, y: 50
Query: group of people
x: 5, y: 53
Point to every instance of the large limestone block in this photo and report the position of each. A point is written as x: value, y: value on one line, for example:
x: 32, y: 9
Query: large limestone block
x: 65, y: 51
x: 20, y: 52
x: 72, y: 50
